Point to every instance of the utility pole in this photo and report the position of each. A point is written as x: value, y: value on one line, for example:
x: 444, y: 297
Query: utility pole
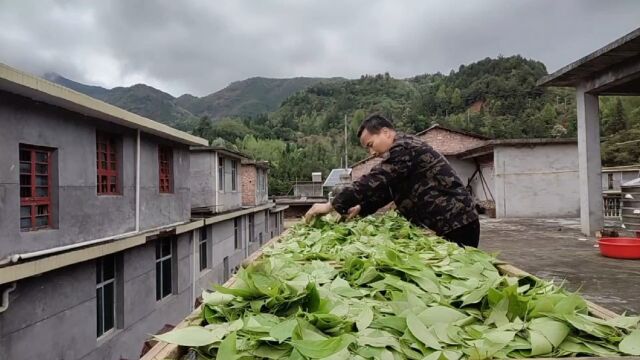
x: 346, y: 163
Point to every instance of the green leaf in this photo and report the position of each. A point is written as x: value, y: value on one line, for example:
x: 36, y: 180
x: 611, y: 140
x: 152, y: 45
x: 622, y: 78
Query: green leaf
x: 283, y: 330
x: 365, y: 318
x: 498, y: 314
x: 539, y: 344
x: 216, y: 298
x: 554, y: 331
x: 631, y: 343
x: 189, y: 336
x: 420, y: 331
x: 318, y: 349
x: 440, y: 314
x: 227, y: 350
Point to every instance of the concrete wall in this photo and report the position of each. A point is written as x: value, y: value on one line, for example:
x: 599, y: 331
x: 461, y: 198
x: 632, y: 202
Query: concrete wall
x: 536, y: 181
x: 53, y: 316
x: 229, y: 199
x: 202, y: 179
x: 204, y: 182
x: 79, y: 213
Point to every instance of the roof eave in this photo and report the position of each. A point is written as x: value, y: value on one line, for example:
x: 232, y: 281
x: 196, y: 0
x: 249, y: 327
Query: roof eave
x: 27, y: 85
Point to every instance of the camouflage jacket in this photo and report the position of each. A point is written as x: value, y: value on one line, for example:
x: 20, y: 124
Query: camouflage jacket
x: 421, y: 183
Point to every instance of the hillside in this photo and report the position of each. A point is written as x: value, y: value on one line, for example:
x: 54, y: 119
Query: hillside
x: 249, y: 97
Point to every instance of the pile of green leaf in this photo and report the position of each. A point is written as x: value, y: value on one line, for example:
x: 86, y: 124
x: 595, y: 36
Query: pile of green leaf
x: 380, y: 288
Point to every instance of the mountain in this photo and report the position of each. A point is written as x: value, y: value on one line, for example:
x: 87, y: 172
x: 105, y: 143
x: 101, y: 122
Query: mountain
x: 97, y: 92
x: 249, y: 97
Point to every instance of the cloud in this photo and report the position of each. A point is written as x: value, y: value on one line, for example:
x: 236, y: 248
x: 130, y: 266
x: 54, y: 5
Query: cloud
x: 200, y: 46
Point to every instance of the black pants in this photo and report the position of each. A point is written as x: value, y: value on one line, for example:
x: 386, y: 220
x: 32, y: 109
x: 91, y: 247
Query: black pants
x: 467, y: 235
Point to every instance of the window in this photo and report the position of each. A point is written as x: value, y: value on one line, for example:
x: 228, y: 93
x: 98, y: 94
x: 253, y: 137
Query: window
x: 610, y: 181
x: 164, y: 260
x: 35, y: 188
x: 234, y: 175
x: 165, y: 165
x: 262, y: 180
x: 236, y: 233
x: 266, y: 221
x: 260, y: 238
x: 252, y: 229
x: 220, y: 173
x: 203, y: 248
x: 106, y: 294
x: 225, y: 268
x: 106, y: 164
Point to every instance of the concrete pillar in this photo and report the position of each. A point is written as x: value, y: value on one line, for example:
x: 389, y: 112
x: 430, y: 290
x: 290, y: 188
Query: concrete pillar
x: 589, y: 162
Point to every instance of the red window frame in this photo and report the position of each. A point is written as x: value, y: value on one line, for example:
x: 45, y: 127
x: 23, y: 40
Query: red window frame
x: 107, y: 177
x: 165, y: 166
x: 39, y: 204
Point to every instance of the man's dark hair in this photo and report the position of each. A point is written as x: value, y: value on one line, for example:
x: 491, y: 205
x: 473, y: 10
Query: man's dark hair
x: 374, y: 123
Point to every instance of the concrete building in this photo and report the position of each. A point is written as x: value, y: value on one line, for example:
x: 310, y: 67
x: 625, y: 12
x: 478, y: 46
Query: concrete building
x: 525, y: 177
x: 215, y: 179
x: 614, y: 176
x: 611, y: 70
x: 98, y: 244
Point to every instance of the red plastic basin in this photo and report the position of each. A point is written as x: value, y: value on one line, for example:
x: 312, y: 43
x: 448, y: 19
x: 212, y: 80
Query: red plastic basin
x: 620, y: 248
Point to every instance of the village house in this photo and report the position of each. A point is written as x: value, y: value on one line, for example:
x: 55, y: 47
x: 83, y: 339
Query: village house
x: 99, y: 245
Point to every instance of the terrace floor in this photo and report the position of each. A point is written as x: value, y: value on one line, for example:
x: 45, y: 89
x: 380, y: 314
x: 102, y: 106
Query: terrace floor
x: 554, y: 249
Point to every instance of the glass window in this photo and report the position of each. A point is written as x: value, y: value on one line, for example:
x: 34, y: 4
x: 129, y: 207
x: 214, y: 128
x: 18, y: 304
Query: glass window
x: 164, y: 259
x: 105, y: 294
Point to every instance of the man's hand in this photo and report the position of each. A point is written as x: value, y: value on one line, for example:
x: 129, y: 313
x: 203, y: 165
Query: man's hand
x: 317, y: 210
x: 353, y: 212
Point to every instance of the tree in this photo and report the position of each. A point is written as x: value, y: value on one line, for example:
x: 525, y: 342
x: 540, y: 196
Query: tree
x: 617, y: 122
x: 204, y: 128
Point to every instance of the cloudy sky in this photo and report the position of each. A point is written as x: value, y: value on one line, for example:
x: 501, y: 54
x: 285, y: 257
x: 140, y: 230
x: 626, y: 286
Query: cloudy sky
x: 200, y: 46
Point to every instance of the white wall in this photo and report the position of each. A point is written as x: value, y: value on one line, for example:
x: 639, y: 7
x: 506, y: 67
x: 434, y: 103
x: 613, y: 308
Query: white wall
x: 536, y: 181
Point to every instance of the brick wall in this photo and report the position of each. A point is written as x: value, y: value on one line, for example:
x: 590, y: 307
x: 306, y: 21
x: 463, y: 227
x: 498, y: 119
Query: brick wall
x: 249, y: 179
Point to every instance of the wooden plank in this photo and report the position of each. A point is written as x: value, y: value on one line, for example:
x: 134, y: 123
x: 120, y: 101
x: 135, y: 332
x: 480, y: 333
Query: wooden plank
x: 164, y: 351
x: 594, y: 309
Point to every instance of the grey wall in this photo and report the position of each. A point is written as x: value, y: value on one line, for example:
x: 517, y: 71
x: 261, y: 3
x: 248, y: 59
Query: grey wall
x: 230, y: 199
x: 156, y: 208
x: 202, y: 179
x: 538, y: 181
x: 53, y: 316
x: 204, y: 183
x: 80, y: 213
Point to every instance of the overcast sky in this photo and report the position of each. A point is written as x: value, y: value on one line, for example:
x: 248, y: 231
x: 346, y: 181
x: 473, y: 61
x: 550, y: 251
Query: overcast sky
x: 200, y: 46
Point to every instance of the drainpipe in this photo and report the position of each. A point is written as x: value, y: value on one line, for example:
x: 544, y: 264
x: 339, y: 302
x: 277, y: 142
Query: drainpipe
x: 194, y: 239
x: 5, y: 297
x: 15, y: 258
x: 138, y: 181
x: 216, y: 185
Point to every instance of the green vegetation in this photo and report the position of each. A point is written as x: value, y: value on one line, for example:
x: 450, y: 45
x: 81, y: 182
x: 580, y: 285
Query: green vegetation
x: 379, y: 288
x: 298, y: 124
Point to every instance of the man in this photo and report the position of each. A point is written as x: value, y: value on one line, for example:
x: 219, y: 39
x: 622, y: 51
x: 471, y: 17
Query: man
x: 420, y: 181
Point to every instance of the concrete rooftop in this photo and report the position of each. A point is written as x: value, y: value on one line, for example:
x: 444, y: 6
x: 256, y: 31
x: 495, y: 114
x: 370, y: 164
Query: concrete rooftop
x: 555, y: 249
